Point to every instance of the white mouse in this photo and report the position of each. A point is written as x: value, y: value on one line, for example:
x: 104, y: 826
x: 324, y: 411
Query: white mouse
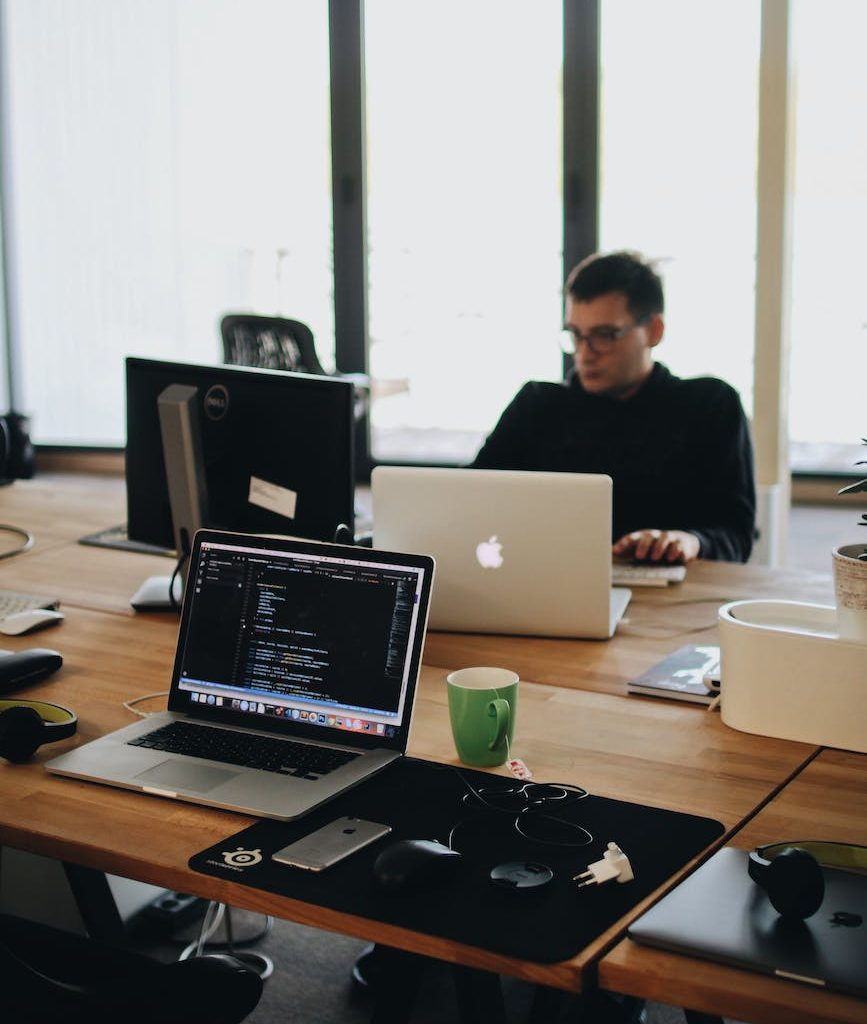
x: 29, y: 620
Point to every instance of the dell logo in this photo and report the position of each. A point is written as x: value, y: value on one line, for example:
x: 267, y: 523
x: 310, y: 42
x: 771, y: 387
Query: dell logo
x: 216, y: 402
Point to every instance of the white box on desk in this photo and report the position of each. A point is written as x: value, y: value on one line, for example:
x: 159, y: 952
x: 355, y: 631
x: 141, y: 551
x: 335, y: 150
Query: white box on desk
x: 786, y: 673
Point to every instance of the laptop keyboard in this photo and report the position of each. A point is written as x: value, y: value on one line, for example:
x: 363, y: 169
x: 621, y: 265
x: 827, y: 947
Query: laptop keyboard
x: 286, y: 757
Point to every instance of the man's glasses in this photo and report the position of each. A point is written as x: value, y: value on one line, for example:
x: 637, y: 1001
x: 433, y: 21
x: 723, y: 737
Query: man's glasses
x: 598, y: 339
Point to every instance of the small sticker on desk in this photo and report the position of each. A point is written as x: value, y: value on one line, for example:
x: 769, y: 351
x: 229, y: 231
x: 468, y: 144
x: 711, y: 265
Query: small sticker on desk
x: 517, y: 767
x: 276, y: 499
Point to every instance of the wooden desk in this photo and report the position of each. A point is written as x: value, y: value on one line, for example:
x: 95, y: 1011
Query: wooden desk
x: 657, y: 621
x: 583, y: 729
x: 666, y: 754
x: 827, y: 800
x: 58, y: 507
x: 61, y: 508
x: 598, y: 743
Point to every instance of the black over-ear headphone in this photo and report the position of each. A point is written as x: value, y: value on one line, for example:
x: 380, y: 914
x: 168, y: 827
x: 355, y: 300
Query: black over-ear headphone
x: 791, y: 873
x: 16, y: 449
x: 26, y: 724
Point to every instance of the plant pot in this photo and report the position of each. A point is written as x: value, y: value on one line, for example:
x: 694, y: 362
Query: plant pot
x: 850, y: 587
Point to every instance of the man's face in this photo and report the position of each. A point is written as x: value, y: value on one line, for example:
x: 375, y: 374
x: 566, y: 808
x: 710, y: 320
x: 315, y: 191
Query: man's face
x: 608, y: 365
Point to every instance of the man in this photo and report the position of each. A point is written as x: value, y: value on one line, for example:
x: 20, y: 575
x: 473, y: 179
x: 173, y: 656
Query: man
x: 678, y: 451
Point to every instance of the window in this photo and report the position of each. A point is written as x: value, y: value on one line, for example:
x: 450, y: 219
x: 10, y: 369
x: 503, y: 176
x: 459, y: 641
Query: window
x: 679, y: 125
x: 170, y: 162
x: 464, y: 213
x: 829, y: 314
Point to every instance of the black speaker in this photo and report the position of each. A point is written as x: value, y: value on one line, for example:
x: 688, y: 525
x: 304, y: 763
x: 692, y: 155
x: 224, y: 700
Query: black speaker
x: 791, y: 873
x: 16, y: 451
x: 26, y: 724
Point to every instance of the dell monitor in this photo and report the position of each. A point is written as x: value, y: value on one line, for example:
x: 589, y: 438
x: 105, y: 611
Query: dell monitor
x: 276, y: 447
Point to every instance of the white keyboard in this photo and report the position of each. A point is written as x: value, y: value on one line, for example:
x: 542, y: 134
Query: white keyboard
x: 626, y: 575
x: 12, y: 601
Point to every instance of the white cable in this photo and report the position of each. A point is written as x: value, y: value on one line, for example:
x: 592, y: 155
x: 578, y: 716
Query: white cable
x: 128, y: 704
x: 25, y: 535
x: 210, y: 923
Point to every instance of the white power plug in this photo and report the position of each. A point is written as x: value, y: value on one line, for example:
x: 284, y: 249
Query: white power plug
x: 614, y: 864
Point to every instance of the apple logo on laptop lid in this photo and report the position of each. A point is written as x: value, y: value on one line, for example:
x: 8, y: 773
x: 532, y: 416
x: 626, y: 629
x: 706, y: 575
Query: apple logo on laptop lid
x: 489, y: 553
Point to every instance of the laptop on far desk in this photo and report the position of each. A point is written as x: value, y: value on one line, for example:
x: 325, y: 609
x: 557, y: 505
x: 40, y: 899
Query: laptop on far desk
x: 516, y: 552
x: 293, y: 681
x: 718, y: 913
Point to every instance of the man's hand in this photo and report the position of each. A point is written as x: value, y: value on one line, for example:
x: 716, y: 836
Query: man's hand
x: 668, y: 546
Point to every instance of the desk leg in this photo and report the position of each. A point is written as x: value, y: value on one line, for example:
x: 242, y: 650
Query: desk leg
x: 480, y: 996
x: 550, y: 1004
x: 96, y: 904
x: 401, y: 977
x: 598, y: 1007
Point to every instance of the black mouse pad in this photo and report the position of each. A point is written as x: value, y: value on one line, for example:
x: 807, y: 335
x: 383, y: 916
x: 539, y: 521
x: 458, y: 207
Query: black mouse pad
x: 426, y: 800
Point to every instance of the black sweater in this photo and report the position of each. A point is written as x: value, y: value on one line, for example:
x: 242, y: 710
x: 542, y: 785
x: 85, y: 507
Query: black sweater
x: 679, y: 453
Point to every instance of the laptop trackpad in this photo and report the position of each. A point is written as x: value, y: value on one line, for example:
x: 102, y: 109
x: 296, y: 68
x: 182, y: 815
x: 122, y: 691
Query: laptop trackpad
x: 198, y: 778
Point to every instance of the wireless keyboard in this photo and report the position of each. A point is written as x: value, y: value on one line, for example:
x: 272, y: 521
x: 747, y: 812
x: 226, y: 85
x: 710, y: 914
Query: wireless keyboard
x: 626, y: 575
x: 12, y: 601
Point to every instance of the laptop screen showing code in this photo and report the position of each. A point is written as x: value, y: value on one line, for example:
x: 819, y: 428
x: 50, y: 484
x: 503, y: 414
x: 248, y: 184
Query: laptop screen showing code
x: 307, y: 636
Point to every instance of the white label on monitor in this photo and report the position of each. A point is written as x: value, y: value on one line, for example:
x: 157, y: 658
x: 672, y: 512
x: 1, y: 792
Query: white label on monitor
x: 276, y: 499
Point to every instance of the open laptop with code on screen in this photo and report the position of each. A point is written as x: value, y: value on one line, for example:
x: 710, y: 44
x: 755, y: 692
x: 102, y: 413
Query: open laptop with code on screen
x: 517, y: 552
x: 294, y: 678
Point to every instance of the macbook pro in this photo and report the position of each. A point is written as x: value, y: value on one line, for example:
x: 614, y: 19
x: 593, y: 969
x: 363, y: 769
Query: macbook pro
x: 294, y: 678
x: 516, y: 552
x: 719, y: 913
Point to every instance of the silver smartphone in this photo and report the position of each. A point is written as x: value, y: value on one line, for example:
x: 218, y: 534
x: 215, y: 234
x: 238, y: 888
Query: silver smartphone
x: 331, y: 843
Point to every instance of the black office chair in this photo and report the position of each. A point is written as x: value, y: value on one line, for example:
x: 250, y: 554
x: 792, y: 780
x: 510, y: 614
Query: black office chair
x: 277, y: 343
x: 55, y: 977
x: 269, y: 342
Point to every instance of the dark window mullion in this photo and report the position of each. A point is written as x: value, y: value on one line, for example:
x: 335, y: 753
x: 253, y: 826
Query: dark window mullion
x: 580, y: 130
x: 346, y: 34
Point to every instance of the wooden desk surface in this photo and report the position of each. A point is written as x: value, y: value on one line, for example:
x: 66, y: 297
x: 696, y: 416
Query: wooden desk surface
x: 575, y: 722
x: 664, y: 753
x: 60, y: 509
x: 827, y: 800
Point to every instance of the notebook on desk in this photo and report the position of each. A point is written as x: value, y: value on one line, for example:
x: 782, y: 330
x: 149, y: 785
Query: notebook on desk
x: 294, y: 678
x: 516, y: 552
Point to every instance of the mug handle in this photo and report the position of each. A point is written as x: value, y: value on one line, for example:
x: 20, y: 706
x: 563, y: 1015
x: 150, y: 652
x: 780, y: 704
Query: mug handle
x: 499, y: 709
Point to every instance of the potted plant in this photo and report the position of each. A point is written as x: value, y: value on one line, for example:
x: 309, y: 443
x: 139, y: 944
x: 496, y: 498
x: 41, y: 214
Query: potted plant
x: 850, y: 577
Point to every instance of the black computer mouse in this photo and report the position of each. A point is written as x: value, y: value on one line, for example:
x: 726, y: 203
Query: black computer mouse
x: 22, y: 668
x: 414, y: 865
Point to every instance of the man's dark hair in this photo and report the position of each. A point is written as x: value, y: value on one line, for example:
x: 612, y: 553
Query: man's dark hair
x: 624, y: 272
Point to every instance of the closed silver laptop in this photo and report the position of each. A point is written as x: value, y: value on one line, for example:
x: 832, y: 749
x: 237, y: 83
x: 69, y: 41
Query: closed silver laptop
x: 516, y: 552
x: 294, y: 678
x: 719, y: 913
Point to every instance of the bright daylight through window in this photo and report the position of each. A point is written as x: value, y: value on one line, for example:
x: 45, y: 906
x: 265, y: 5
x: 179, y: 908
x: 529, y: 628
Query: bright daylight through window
x: 169, y: 164
x: 464, y: 216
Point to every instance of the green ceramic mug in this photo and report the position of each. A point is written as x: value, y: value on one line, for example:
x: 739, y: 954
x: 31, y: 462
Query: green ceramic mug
x: 482, y: 707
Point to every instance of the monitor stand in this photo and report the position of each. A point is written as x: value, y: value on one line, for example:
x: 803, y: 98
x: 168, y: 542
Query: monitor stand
x: 182, y: 455
x: 153, y: 594
x: 117, y: 537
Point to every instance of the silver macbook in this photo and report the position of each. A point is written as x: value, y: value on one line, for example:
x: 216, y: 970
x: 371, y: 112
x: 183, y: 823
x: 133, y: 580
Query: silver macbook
x: 294, y: 678
x: 516, y: 552
x: 719, y: 913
